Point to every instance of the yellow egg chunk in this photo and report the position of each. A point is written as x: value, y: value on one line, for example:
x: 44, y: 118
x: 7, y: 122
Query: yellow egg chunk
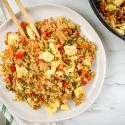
x: 13, y: 38
x: 21, y: 71
x: 52, y: 107
x: 46, y: 56
x: 70, y: 50
x: 78, y: 91
x: 64, y: 107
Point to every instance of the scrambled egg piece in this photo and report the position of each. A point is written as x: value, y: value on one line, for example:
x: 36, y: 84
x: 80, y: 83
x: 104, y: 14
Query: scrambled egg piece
x: 79, y: 66
x: 120, y: 31
x: 19, y: 86
x: 54, y: 65
x: 30, y: 102
x: 70, y: 50
x: 111, y: 7
x: 87, y: 61
x: 48, y: 74
x: 46, y: 56
x: 64, y: 107
x: 73, y: 57
x: 59, y: 73
x: 118, y: 2
x: 78, y: 91
x: 21, y: 71
x: 71, y: 25
x: 52, y: 107
x: 30, y: 32
x: 13, y: 38
x: 123, y: 27
x: 53, y: 48
x: 71, y: 69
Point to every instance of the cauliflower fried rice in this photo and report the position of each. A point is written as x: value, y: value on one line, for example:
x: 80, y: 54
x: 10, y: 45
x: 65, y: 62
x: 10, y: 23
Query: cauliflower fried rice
x: 49, y: 71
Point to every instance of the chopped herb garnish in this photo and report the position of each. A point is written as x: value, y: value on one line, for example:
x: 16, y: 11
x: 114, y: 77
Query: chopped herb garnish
x: 48, y: 49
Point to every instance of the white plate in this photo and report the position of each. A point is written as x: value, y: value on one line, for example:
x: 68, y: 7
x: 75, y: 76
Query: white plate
x: 22, y: 110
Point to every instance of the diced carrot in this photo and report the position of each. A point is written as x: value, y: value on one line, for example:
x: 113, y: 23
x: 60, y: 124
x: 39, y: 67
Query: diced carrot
x: 23, y: 24
x: 41, y: 61
x: 60, y: 67
x: 19, y: 55
x: 12, y: 69
x: 65, y: 84
x: 83, y: 72
x: 36, y: 45
x: 49, y: 34
x: 62, y: 51
x: 41, y: 85
x: 80, y: 58
x: 82, y: 46
x: 17, y: 79
x: 45, y: 34
x: 10, y: 52
x: 108, y: 14
x: 76, y: 34
x: 89, y: 76
x: 121, y: 17
x: 84, y: 81
x: 86, y: 46
x: 31, y: 94
x: 60, y: 45
x: 8, y: 79
x: 79, y: 46
x: 102, y: 6
x: 41, y: 98
x: 36, y: 54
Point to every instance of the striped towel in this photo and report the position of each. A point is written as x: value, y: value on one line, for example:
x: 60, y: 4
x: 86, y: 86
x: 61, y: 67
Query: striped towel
x: 9, y: 118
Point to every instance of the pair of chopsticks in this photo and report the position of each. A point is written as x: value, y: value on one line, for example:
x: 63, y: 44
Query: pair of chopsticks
x: 25, y: 14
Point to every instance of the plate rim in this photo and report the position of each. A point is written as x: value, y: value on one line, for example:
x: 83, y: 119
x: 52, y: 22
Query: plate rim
x: 104, y: 67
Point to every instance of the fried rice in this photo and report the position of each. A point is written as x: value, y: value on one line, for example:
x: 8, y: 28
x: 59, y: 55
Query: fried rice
x: 50, y: 70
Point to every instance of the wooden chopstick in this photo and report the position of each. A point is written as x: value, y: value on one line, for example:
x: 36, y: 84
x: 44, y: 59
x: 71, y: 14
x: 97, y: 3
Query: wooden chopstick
x: 28, y: 18
x: 10, y: 11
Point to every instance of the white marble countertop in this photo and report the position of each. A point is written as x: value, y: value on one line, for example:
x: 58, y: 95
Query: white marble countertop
x: 109, y: 108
